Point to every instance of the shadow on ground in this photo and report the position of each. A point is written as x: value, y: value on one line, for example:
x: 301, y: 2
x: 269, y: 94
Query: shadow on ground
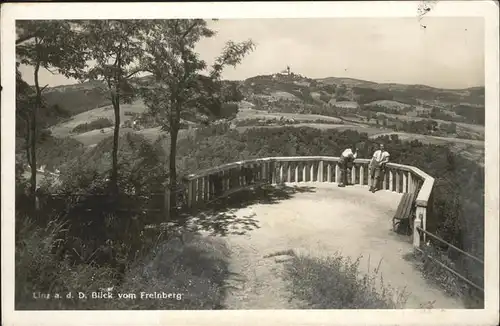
x: 219, y: 218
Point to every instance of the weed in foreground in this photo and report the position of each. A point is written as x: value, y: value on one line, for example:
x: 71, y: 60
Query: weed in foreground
x: 192, y: 272
x: 445, y: 280
x: 335, y: 282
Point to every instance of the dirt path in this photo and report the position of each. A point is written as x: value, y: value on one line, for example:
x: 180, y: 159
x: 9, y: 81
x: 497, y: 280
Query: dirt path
x: 321, y: 222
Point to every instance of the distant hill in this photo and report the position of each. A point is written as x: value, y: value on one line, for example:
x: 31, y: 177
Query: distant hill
x: 469, y: 102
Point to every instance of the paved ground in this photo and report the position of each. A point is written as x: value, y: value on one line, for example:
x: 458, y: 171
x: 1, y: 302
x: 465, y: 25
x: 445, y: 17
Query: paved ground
x: 320, y: 222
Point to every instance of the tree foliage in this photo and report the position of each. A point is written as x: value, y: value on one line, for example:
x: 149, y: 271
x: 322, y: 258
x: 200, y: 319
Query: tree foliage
x: 46, y: 44
x: 116, y: 48
x: 179, y: 89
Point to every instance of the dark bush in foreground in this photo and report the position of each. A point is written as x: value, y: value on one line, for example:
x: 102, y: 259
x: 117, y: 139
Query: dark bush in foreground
x: 191, y: 271
x: 335, y: 283
x: 93, y: 125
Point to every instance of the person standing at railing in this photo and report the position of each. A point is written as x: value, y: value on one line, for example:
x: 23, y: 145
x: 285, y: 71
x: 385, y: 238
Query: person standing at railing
x: 346, y: 163
x: 377, y: 167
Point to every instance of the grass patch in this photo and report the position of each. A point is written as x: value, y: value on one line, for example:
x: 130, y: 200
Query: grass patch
x: 190, y: 270
x: 194, y: 270
x: 93, y: 125
x: 447, y: 281
x: 335, y: 282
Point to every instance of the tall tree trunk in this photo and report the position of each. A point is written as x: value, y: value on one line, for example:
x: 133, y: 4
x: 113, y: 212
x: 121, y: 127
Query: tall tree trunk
x: 116, y: 131
x: 116, y: 135
x: 33, y: 135
x: 174, y: 130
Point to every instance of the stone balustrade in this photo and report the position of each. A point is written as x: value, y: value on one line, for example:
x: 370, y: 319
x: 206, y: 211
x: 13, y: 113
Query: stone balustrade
x: 208, y: 185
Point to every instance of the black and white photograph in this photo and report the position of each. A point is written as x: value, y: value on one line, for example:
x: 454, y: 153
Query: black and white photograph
x: 204, y: 160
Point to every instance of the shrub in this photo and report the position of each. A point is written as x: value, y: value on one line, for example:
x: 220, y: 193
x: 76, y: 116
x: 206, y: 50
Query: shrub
x: 55, y: 152
x: 194, y: 269
x: 96, y: 124
x: 39, y: 269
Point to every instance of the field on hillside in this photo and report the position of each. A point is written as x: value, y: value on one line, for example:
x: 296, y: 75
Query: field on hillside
x: 433, y: 139
x: 64, y: 129
x: 322, y: 126
x: 470, y: 148
x: 467, y: 126
x: 261, y: 114
x: 394, y: 105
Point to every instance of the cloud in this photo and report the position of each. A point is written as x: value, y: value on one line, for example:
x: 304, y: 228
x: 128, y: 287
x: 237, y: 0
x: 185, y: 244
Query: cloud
x: 448, y: 53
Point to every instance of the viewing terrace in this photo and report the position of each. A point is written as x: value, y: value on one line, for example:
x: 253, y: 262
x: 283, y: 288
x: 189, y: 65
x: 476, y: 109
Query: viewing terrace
x: 319, y: 218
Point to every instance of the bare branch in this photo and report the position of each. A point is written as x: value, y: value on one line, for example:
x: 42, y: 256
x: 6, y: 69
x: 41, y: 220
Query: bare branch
x: 190, y: 28
x: 136, y: 71
x: 44, y: 87
x: 25, y: 38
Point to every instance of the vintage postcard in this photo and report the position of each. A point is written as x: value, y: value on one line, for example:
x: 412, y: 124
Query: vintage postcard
x: 282, y: 163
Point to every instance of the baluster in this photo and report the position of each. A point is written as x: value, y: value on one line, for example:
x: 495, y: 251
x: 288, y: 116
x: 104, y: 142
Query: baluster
x: 212, y: 186
x: 329, y: 172
x: 410, y: 182
x: 296, y: 172
x: 311, y: 171
x: 288, y: 173
x: 398, y: 180
x: 391, y: 180
x: 304, y: 167
x: 244, y: 175
x: 362, y: 175
x: 255, y: 173
x: 263, y: 171
x: 238, y: 175
x: 205, y: 188
x: 405, y: 182
x: 195, y: 191
x: 320, y: 171
x: 273, y: 172
x: 249, y: 173
x: 353, y: 174
x: 419, y: 218
x: 337, y: 173
x: 201, y: 188
x: 386, y: 179
x: 190, y: 193
x: 222, y: 182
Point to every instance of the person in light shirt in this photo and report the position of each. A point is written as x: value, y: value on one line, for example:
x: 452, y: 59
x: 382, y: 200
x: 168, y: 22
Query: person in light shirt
x: 346, y: 162
x: 377, y: 167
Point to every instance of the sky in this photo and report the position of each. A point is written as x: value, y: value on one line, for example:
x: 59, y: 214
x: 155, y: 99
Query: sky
x: 448, y: 53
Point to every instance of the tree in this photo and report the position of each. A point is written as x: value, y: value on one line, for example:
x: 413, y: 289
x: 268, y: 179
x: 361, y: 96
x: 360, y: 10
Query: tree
x: 341, y: 93
x: 451, y: 128
x: 179, y: 90
x: 116, y: 48
x: 43, y: 44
